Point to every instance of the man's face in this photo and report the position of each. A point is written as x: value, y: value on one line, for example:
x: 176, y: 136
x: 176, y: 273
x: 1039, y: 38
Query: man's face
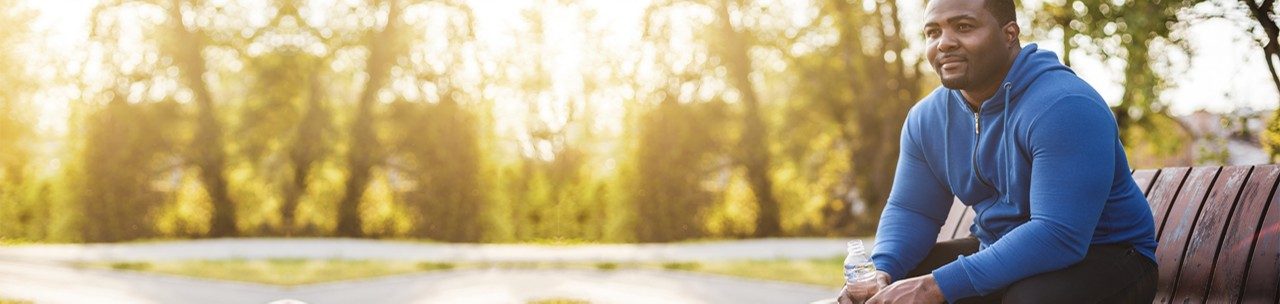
x: 965, y: 44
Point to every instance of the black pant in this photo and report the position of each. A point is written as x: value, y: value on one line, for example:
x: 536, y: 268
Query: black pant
x: 1114, y: 273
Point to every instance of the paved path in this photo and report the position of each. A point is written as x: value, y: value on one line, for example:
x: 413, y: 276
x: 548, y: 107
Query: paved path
x: 41, y: 273
x: 52, y: 283
x: 595, y: 286
x: 799, y: 248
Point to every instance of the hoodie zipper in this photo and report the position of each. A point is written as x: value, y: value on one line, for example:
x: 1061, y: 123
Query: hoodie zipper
x: 977, y: 130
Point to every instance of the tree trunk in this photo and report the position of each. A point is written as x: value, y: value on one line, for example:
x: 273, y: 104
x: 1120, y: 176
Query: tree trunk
x: 1262, y: 13
x: 881, y: 93
x: 362, y: 148
x: 755, y: 152
x: 304, y: 152
x: 207, y: 148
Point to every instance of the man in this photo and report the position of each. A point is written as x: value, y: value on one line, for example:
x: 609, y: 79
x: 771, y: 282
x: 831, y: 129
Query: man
x: 1034, y: 150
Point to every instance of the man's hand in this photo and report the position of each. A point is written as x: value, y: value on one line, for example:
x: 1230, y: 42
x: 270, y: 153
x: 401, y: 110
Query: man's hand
x: 922, y: 289
x: 856, y: 293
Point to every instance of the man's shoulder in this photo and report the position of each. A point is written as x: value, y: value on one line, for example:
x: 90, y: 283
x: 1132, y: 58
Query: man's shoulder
x: 931, y: 105
x: 1058, y: 86
x: 1062, y: 98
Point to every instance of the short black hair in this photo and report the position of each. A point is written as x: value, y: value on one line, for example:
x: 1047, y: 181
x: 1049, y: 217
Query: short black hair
x: 1002, y: 10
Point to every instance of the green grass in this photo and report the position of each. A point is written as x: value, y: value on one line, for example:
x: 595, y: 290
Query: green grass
x: 606, y: 266
x: 826, y: 272
x: 681, y: 266
x: 135, y: 266
x: 12, y: 301
x: 286, y: 272
x: 291, y: 272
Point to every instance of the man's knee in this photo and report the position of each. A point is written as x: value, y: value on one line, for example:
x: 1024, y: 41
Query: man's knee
x: 944, y: 252
x: 1041, y: 289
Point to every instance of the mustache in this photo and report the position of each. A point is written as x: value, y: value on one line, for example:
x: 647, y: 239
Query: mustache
x: 947, y: 58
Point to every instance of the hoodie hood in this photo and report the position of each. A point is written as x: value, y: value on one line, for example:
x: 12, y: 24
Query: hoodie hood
x: 1030, y: 64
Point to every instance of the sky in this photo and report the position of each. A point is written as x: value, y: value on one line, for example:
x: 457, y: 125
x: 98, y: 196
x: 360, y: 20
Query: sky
x: 1226, y: 72
x: 1214, y: 78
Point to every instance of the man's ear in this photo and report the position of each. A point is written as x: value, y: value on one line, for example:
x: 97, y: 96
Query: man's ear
x: 1011, y: 31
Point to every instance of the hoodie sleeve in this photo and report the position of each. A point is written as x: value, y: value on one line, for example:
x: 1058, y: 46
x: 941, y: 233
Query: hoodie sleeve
x: 1069, y: 186
x: 917, y: 206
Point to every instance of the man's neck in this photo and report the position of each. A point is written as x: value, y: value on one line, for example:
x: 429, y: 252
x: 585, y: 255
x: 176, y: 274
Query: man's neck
x: 976, y: 97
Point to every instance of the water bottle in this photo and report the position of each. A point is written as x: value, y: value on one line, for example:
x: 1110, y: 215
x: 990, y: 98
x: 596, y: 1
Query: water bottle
x: 857, y: 265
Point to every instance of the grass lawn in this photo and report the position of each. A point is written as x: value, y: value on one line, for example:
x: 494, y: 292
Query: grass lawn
x: 11, y: 301
x: 286, y: 272
x: 291, y: 272
x: 826, y: 272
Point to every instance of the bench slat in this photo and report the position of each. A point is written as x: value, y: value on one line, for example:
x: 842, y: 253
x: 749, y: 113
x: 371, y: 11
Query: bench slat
x: 1202, y: 245
x: 1163, y: 191
x: 1231, y: 265
x: 1173, y: 237
x: 1264, y: 266
x: 948, y: 231
x: 1144, y: 178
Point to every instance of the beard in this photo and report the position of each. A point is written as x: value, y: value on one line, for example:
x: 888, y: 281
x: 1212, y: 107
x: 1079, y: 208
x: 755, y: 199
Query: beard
x: 961, y: 78
x: 957, y: 82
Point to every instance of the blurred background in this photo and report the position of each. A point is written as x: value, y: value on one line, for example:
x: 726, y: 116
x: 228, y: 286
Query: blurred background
x: 546, y: 120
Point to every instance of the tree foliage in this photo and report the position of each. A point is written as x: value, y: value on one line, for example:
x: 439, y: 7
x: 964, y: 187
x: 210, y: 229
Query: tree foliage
x: 1140, y: 34
x: 400, y: 118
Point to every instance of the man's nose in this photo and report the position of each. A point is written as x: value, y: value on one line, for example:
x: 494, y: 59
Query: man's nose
x: 947, y: 42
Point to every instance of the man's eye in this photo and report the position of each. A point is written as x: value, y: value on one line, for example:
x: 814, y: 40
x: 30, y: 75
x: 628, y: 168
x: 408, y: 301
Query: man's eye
x: 931, y: 33
x: 965, y: 27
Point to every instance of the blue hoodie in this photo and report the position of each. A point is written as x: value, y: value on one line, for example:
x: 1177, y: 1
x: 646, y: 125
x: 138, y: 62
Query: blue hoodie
x: 1041, y: 164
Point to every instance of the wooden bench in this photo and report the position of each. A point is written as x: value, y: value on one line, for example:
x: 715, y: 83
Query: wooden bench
x: 1218, y: 229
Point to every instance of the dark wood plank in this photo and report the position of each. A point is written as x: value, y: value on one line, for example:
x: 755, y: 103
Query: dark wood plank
x: 1264, y: 266
x: 1181, y: 220
x: 1202, y: 247
x: 1144, y: 178
x: 1163, y: 191
x: 948, y: 231
x: 1232, y: 263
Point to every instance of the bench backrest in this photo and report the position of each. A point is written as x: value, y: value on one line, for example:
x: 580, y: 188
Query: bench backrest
x: 1218, y: 229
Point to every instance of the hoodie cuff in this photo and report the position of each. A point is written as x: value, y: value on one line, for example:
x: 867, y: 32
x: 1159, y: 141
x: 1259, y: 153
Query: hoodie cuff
x: 953, y: 279
x: 894, y: 274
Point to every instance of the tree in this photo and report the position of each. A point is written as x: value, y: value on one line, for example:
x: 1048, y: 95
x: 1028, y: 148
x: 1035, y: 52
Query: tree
x: 207, y: 152
x: 124, y: 159
x: 1138, y: 33
x: 131, y: 138
x: 553, y: 178
x: 731, y: 43
x: 678, y: 160
x: 677, y: 150
x: 863, y: 84
x: 1265, y: 14
x: 15, y: 125
x: 21, y: 215
x: 432, y: 135
x: 385, y: 46
x: 285, y: 123
x: 734, y: 54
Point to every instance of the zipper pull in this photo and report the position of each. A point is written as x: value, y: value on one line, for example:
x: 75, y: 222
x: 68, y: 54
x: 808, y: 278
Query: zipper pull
x: 976, y: 128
